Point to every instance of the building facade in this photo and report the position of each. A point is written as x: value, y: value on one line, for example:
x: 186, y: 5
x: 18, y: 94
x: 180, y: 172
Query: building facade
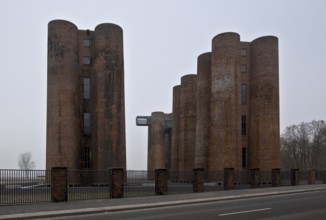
x: 227, y: 115
x: 85, y: 97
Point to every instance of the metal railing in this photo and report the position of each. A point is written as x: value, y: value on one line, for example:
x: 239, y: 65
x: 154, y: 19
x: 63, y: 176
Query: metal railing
x: 285, y: 177
x: 24, y: 186
x: 180, y: 182
x: 320, y: 176
x: 139, y: 184
x: 30, y: 186
x: 87, y: 184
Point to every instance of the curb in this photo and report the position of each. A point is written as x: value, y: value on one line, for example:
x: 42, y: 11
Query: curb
x: 72, y: 212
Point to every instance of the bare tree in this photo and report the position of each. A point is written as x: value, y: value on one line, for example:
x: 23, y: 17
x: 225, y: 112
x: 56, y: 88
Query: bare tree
x: 303, y: 146
x: 25, y: 161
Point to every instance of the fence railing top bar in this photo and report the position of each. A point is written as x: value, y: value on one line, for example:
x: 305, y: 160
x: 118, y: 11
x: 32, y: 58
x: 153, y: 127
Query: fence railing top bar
x: 146, y: 171
x: 19, y: 170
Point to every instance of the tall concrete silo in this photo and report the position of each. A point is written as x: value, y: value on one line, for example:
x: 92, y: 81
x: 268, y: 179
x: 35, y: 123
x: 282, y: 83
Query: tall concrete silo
x: 187, y: 122
x: 225, y: 100
x: 63, y: 136
x: 264, y: 131
x: 203, y: 105
x: 157, y: 139
x: 107, y: 82
x: 175, y: 128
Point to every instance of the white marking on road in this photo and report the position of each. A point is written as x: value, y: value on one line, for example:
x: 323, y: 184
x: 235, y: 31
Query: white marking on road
x: 236, y: 213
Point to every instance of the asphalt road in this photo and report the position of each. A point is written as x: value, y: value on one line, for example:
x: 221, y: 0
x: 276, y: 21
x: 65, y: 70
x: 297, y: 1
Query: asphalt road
x: 310, y: 205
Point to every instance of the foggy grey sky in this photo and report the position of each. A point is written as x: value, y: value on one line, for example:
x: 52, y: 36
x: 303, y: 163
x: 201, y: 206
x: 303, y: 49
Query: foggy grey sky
x: 162, y: 40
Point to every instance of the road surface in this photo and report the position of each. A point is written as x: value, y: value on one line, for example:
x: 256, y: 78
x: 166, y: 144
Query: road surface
x: 309, y: 205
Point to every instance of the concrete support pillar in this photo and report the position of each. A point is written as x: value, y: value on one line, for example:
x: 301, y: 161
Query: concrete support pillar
x: 254, y: 178
x: 187, y: 125
x: 161, y: 182
x: 295, y: 177
x: 59, y: 183
x: 264, y: 132
x: 63, y: 100
x: 168, y: 119
x: 116, y: 183
x: 175, y: 133
x: 276, y: 177
x: 198, y: 183
x: 228, y: 178
x: 107, y: 95
x: 225, y: 133
x: 324, y: 177
x: 203, y: 95
x: 158, y: 159
x: 311, y: 176
x: 150, y: 163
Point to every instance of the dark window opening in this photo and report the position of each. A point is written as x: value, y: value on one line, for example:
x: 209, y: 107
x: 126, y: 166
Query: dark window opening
x: 244, y: 157
x: 243, y: 94
x: 243, y: 125
x: 87, y: 158
x: 87, y: 123
x: 86, y: 88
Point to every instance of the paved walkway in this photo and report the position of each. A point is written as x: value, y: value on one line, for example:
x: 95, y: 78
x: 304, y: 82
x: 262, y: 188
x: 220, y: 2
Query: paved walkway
x: 43, y: 210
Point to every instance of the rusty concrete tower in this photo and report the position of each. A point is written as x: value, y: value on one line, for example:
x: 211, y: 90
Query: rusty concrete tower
x: 85, y: 98
x: 156, y: 150
x: 227, y: 116
x: 244, y: 103
x: 264, y: 128
x: 175, y: 129
x: 203, y: 100
x: 225, y: 138
x: 187, y: 125
x: 159, y: 139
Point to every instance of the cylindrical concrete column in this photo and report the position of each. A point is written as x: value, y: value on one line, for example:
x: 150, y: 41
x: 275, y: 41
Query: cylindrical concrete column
x: 295, y: 179
x: 168, y: 139
x: 158, y: 159
x: 203, y: 95
x: 187, y: 123
x: 149, y: 149
x: 161, y: 182
x: 276, y: 177
x: 254, y: 178
x: 108, y: 106
x: 63, y: 134
x: 228, y: 178
x: 264, y: 124
x: 199, y: 179
x: 150, y: 162
x: 59, y: 184
x: 311, y: 176
x: 225, y: 138
x: 175, y: 131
